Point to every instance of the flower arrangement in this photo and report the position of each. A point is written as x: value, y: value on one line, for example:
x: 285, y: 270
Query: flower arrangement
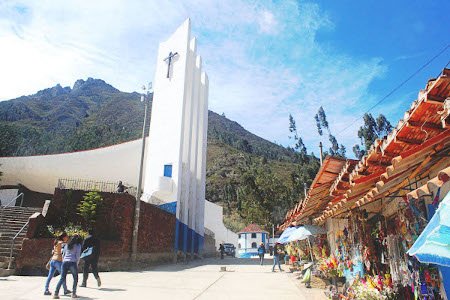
x: 70, y: 229
x: 371, y: 288
x: 331, y: 267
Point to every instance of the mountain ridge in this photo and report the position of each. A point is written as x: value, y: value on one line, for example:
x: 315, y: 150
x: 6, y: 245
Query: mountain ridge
x: 41, y: 106
x: 255, y: 180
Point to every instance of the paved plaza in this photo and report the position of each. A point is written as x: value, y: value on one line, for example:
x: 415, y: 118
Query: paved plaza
x: 243, y: 279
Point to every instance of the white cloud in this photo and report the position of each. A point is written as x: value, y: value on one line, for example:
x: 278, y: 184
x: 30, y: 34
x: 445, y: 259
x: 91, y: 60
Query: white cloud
x: 263, y: 59
x: 267, y: 22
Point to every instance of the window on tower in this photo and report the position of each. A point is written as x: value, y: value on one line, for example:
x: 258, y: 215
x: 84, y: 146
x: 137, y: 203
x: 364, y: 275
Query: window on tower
x: 168, y: 171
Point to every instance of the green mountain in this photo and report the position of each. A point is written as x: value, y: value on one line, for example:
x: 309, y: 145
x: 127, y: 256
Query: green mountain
x: 94, y: 114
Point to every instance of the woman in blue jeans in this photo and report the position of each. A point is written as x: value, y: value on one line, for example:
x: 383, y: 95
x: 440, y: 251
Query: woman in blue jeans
x: 276, y: 257
x: 72, y: 252
x: 56, y: 262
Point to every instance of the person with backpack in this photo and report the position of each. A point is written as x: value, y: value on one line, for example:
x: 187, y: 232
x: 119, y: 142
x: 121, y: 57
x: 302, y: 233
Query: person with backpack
x: 261, y: 252
x: 91, y: 253
x: 71, y: 257
x: 56, y: 262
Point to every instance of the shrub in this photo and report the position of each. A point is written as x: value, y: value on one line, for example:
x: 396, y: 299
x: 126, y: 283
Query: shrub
x: 88, y: 207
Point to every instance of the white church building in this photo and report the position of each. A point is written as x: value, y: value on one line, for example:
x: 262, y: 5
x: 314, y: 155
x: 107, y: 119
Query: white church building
x: 175, y: 157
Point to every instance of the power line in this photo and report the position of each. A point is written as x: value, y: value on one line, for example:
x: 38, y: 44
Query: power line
x: 398, y: 87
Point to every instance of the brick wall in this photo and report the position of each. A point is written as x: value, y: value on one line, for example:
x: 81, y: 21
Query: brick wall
x: 114, y: 227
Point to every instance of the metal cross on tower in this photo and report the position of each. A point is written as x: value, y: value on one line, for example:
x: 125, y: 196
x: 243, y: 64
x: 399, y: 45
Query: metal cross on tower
x: 169, y: 59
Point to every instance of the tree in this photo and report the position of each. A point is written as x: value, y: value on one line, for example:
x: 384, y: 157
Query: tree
x: 244, y: 145
x: 263, y: 195
x: 299, y: 146
x: 88, y: 207
x: 370, y: 131
x: 359, y: 153
x: 322, y: 123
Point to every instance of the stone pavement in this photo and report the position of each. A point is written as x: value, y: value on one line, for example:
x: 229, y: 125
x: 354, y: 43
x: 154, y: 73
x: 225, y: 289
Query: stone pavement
x: 244, y: 279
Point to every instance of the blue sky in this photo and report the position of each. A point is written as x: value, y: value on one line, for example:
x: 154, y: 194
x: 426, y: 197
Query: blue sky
x: 265, y: 59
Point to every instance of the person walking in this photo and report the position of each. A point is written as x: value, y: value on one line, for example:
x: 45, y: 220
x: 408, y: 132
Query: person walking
x: 56, y: 262
x: 276, y: 256
x: 91, y: 261
x: 222, y: 250
x: 72, y: 252
x: 261, y: 252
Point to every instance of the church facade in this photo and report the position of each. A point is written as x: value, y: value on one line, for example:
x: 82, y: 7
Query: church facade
x: 175, y: 157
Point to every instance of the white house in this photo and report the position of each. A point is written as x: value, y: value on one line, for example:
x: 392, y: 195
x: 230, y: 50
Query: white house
x: 249, y: 240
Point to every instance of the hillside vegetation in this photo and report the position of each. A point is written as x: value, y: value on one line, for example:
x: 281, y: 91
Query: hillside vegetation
x: 253, y: 179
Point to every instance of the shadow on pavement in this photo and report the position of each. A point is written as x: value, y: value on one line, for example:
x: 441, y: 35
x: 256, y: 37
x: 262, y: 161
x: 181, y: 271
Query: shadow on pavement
x: 112, y: 290
x: 227, y: 261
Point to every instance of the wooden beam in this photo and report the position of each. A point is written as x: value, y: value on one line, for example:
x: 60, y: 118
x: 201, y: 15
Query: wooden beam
x: 434, y: 99
x: 425, y: 125
x: 329, y: 172
x: 403, y: 140
x: 379, y: 163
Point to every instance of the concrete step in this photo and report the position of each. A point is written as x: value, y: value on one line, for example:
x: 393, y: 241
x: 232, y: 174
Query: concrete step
x: 6, y: 253
x: 8, y: 238
x: 8, y: 242
x: 12, y: 234
x: 16, y: 213
x: 5, y: 272
x: 21, y: 208
x: 8, y: 245
x: 12, y: 219
x: 4, y: 258
x: 12, y: 226
x: 4, y: 262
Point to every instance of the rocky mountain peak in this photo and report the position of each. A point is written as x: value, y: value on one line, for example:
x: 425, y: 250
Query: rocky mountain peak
x: 54, y: 91
x: 92, y: 83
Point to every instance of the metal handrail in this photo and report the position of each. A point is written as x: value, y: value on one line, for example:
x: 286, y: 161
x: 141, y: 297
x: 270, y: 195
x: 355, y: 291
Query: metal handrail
x: 15, y: 198
x: 13, y: 242
x: 3, y: 207
x: 92, y: 185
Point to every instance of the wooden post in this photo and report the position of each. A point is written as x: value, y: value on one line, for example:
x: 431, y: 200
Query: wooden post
x: 321, y: 153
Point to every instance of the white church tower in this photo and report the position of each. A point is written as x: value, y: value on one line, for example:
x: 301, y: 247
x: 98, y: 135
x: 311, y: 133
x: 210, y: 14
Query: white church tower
x: 175, y: 170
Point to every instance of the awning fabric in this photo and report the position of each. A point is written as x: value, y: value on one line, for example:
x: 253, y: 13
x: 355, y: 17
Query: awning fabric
x: 433, y: 244
x: 285, y: 235
x: 305, y: 231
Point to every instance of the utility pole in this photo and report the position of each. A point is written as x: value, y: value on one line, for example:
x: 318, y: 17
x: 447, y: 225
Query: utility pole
x: 321, y: 153
x: 144, y: 98
x: 273, y: 236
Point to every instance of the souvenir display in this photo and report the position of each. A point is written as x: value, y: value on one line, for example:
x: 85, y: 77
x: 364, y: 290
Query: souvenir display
x: 381, y: 244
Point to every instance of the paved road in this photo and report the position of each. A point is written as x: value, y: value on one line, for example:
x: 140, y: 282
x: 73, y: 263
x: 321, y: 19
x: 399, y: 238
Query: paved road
x: 244, y: 279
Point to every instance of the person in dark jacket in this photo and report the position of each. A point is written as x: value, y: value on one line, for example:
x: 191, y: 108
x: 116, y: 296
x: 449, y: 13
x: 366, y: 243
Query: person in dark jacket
x: 121, y: 188
x: 276, y: 256
x: 261, y: 252
x: 91, y: 261
x: 222, y: 250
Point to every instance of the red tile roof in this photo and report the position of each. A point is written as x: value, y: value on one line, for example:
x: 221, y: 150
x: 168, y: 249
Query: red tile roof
x: 252, y: 228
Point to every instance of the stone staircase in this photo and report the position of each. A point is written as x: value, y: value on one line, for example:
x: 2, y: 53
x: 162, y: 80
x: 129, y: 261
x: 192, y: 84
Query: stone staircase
x: 12, y: 219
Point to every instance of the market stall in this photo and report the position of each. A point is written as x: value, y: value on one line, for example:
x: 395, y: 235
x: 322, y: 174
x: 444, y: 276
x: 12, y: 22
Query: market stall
x: 377, y: 208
